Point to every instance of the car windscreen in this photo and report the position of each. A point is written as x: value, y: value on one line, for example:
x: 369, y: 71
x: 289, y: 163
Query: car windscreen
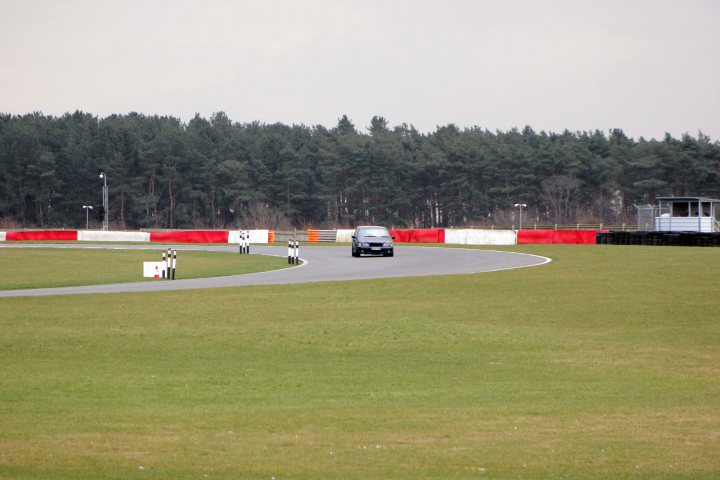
x: 373, y: 232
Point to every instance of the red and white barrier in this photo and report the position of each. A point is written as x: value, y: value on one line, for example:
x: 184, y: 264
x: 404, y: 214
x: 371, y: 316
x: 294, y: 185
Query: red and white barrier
x: 430, y: 235
x: 256, y: 236
x: 42, y: 235
x: 111, y: 236
x: 575, y: 237
x: 422, y: 235
x: 190, y: 236
x: 480, y: 237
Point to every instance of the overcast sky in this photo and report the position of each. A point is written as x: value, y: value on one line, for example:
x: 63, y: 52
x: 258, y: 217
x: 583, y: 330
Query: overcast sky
x: 645, y: 66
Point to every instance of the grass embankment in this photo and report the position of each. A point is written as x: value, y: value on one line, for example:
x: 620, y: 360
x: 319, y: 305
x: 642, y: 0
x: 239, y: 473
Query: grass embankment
x: 601, y: 364
x: 63, y: 267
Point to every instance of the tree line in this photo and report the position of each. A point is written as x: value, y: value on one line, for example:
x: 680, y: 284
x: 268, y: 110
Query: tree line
x: 215, y: 173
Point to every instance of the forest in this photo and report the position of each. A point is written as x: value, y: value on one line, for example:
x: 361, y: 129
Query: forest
x: 214, y: 173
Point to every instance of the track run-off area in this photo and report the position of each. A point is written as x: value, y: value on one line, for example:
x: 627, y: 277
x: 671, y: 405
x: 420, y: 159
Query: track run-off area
x: 318, y: 264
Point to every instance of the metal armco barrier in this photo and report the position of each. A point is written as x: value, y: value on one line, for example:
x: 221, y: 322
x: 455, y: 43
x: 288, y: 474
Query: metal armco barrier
x: 322, y: 236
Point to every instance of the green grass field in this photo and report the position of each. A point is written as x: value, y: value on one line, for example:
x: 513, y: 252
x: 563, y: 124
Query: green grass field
x: 53, y: 267
x: 604, y: 363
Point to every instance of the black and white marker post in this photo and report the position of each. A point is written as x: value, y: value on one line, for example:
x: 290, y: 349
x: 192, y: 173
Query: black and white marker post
x: 244, y: 242
x: 169, y: 263
x: 164, y: 264
x: 293, y: 252
x: 174, y: 263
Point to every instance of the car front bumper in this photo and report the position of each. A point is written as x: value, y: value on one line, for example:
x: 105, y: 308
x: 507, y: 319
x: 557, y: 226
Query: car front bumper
x: 374, y: 250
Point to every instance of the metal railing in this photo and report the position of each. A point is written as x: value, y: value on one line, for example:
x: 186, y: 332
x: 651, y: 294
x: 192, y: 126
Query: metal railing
x: 557, y: 226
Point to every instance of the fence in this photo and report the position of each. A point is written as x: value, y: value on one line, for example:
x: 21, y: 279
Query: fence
x: 556, y: 226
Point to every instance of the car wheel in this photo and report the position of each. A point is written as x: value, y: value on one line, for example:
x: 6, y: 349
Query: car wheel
x: 355, y: 253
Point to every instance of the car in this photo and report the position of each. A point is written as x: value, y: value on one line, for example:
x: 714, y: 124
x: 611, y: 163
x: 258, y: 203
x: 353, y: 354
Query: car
x: 372, y: 240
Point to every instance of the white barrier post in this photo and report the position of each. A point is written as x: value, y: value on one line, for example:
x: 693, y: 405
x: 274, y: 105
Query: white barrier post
x: 169, y: 261
x: 164, y: 264
x: 290, y: 249
x: 174, y: 263
x: 297, y: 253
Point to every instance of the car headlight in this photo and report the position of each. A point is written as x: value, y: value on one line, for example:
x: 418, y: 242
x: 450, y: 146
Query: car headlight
x: 387, y: 244
x: 364, y: 245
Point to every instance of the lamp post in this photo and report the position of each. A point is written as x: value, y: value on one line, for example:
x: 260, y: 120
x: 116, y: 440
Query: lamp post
x: 87, y: 216
x: 103, y: 177
x: 520, y: 206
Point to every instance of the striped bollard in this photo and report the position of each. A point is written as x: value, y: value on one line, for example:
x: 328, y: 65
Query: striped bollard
x: 244, y: 247
x: 169, y: 263
x: 290, y: 251
x: 164, y: 264
x: 174, y: 263
x: 297, y: 252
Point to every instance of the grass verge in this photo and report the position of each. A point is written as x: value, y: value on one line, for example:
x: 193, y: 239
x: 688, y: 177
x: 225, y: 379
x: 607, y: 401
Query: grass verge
x: 601, y: 364
x: 60, y: 267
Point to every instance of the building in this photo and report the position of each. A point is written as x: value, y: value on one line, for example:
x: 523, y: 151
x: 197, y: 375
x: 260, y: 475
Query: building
x: 681, y: 214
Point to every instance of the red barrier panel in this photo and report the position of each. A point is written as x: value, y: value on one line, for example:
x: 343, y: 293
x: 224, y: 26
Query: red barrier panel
x: 427, y: 235
x: 40, y: 235
x: 578, y: 237
x: 529, y: 237
x: 402, y: 236
x: 191, y: 236
x: 575, y: 237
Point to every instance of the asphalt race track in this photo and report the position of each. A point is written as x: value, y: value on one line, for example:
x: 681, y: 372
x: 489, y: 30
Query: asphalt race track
x: 319, y: 264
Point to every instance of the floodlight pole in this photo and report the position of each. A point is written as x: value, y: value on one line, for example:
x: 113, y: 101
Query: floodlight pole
x: 103, y: 177
x: 87, y: 216
x: 520, y: 206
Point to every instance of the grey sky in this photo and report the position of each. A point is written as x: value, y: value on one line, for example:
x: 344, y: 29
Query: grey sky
x: 645, y: 66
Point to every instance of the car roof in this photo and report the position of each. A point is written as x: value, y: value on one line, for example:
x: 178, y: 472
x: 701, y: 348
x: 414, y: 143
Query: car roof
x: 370, y: 226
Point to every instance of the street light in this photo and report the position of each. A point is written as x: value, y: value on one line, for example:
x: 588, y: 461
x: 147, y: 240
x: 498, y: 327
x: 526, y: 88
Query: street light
x: 103, y: 177
x: 87, y: 219
x: 520, y: 206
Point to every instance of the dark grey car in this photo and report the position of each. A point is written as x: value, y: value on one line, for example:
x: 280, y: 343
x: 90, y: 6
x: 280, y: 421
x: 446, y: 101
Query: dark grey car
x: 372, y: 240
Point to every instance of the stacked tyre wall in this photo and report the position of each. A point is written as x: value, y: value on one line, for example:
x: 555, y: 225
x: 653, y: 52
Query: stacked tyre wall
x: 678, y: 239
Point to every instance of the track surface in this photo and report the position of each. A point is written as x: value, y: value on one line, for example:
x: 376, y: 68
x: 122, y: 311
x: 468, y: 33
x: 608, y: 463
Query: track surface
x: 320, y: 264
